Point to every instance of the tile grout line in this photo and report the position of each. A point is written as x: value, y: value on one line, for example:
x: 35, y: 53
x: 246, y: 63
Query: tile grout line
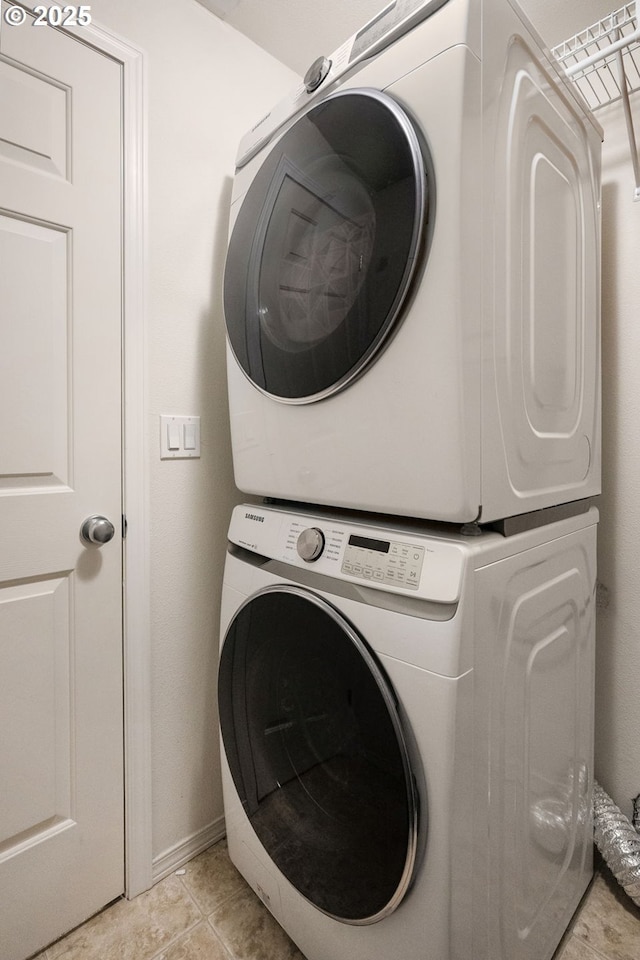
x: 183, y: 933
x: 204, y: 918
x: 601, y: 956
x: 219, y: 937
x: 232, y: 896
x: 220, y: 903
x: 225, y: 949
x: 191, y: 897
x: 175, y: 940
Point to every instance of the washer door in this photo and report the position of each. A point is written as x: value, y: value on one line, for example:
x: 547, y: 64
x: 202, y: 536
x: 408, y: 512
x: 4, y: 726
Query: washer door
x: 317, y: 753
x: 325, y: 246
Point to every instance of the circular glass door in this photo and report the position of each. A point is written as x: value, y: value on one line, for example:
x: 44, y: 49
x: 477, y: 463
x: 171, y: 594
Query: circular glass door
x: 317, y: 753
x: 325, y: 246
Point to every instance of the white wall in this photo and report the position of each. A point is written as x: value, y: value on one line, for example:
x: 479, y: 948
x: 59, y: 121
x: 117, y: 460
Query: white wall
x: 206, y: 85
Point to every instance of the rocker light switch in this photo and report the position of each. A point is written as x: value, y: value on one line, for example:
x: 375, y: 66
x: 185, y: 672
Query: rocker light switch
x: 173, y: 442
x: 179, y: 438
x: 189, y: 431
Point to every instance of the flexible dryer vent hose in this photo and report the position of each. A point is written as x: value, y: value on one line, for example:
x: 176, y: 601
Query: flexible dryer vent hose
x: 617, y: 841
x: 635, y: 819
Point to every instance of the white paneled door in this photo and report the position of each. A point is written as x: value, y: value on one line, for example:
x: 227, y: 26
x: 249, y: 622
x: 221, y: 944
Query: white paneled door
x: 61, y: 729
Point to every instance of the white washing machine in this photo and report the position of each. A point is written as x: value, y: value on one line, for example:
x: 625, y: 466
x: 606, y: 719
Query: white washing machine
x: 411, y: 289
x: 407, y: 732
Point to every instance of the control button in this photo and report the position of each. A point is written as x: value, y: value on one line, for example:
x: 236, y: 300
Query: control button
x: 316, y: 74
x: 310, y: 544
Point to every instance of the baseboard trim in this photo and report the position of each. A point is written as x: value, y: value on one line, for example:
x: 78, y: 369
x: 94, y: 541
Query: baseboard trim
x: 173, y: 858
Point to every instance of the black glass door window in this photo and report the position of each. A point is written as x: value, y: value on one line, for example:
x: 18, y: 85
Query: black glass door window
x: 325, y: 246
x: 317, y: 754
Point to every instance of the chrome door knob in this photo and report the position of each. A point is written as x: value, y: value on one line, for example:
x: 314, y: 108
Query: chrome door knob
x: 310, y: 544
x: 97, y: 530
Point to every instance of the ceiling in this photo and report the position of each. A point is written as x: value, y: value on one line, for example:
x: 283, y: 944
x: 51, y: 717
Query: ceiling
x: 298, y: 31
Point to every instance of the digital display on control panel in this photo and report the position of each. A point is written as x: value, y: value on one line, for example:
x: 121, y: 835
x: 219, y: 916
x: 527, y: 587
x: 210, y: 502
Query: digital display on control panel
x: 383, y: 24
x: 383, y: 561
x: 373, y: 31
x: 382, y: 546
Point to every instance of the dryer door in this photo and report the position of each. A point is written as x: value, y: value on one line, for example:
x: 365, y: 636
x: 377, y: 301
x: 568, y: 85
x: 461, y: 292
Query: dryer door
x: 325, y: 246
x: 317, y: 753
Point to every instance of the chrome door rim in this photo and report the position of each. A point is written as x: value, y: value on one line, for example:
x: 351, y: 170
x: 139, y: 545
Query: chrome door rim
x: 384, y: 687
x: 391, y: 323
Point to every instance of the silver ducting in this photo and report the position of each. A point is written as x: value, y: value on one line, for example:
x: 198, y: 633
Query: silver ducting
x: 635, y: 819
x: 557, y: 820
x: 617, y: 841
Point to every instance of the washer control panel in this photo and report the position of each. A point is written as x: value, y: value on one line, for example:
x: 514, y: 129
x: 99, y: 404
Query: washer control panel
x: 422, y: 563
x: 383, y: 561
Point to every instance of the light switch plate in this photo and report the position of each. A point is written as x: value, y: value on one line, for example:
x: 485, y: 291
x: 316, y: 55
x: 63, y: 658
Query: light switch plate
x: 179, y: 437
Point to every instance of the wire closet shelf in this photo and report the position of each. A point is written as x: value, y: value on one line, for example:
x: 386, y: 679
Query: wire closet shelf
x: 604, y: 62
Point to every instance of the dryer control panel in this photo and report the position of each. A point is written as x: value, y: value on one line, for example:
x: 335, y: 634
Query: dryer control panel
x: 397, y: 18
x: 384, y: 557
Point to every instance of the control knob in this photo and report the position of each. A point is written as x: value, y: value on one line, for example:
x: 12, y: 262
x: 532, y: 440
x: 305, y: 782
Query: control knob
x: 316, y: 74
x: 310, y: 544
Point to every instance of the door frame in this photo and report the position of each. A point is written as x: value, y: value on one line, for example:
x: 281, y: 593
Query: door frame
x: 136, y: 619
x: 136, y: 614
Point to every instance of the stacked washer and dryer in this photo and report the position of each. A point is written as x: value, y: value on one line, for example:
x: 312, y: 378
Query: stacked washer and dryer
x: 407, y: 645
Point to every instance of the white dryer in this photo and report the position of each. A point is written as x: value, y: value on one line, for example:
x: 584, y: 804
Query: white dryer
x: 407, y: 732
x: 411, y: 289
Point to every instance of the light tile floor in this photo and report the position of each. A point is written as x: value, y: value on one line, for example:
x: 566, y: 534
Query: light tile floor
x: 607, y: 925
x: 209, y: 913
